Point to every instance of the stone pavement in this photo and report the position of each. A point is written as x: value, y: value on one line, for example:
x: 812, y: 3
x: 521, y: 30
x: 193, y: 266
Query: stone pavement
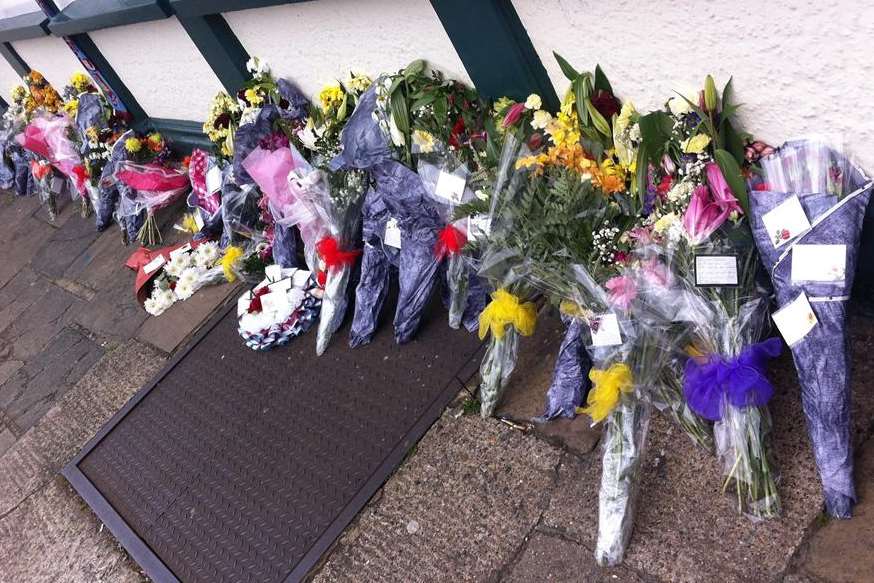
x: 476, y: 500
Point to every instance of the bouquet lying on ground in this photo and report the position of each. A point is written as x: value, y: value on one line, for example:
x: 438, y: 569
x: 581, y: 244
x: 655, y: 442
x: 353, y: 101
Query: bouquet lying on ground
x: 189, y: 268
x: 691, y: 157
x: 807, y: 220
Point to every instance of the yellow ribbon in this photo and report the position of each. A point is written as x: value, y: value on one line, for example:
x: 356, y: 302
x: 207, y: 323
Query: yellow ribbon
x: 607, y: 387
x: 504, y: 310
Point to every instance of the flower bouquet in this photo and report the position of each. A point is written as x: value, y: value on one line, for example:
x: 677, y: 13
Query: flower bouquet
x: 148, y: 188
x: 284, y: 305
x: 205, y: 176
x: 807, y: 220
x: 189, y: 267
x: 690, y: 158
x: 400, y: 223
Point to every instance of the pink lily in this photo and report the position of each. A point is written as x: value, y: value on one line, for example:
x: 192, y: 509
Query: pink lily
x: 514, y: 113
x: 709, y: 207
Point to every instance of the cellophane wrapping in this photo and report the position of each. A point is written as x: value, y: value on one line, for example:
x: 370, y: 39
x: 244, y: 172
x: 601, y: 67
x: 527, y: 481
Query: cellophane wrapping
x: 725, y: 378
x: 336, y: 199
x: 834, y: 194
x: 146, y: 188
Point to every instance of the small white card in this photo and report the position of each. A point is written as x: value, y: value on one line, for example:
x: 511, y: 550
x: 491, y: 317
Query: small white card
x: 180, y: 250
x: 154, y: 264
x: 392, y: 236
x: 826, y: 263
x: 715, y: 270
x: 214, y: 179
x: 450, y: 187
x: 274, y: 302
x: 198, y: 220
x: 478, y: 226
x: 243, y: 303
x: 605, y: 330
x: 273, y: 272
x: 786, y: 222
x: 57, y: 185
x: 283, y: 285
x: 795, y: 320
x: 300, y: 278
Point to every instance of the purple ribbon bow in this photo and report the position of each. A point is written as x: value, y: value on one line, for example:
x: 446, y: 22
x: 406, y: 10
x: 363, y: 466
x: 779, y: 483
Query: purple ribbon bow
x: 741, y: 381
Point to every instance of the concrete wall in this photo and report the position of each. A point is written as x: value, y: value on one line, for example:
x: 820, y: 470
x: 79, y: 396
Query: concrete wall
x: 50, y: 56
x: 799, y: 67
x: 8, y: 79
x: 314, y: 43
x: 161, y: 66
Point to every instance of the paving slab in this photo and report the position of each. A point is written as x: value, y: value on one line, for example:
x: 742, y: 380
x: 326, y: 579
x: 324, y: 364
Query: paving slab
x: 114, y: 314
x: 7, y: 440
x: 102, y: 262
x: 167, y: 331
x: 52, y: 537
x: 64, y: 246
x: 24, y: 238
x: 551, y: 558
x: 77, y: 416
x: 525, y: 396
x: 19, y: 294
x: 50, y: 312
x: 842, y: 551
x: 459, y: 509
x: 35, y: 387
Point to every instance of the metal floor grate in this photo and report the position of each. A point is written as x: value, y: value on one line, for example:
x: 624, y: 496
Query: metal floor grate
x: 234, y: 465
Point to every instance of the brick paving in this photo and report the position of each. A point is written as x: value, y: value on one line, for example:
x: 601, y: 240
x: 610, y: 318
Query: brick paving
x: 475, y: 501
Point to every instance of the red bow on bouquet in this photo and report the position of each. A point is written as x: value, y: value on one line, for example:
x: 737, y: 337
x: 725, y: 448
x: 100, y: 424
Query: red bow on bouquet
x: 255, y: 304
x: 334, y: 257
x: 450, y: 241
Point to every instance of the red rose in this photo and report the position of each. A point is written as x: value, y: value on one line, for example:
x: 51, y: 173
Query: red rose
x: 606, y: 104
x: 784, y: 234
x: 535, y: 141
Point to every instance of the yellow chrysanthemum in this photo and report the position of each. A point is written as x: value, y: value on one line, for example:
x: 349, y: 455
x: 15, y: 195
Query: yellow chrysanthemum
x: 230, y: 259
x: 189, y: 223
x: 253, y: 97
x: 133, y: 145
x: 72, y: 106
x: 80, y: 81
x: 330, y: 96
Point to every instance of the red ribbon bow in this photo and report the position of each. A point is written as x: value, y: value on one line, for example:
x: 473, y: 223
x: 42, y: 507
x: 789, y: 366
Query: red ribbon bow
x: 255, y: 304
x: 450, y: 241
x: 334, y: 257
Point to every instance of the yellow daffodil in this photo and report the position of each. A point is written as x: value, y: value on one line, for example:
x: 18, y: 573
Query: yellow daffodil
x: 330, y: 96
x: 358, y: 83
x: 696, y: 144
x: 133, y: 145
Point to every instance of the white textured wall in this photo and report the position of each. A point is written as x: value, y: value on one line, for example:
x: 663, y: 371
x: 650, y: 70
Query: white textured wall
x: 798, y: 66
x: 8, y: 79
x: 314, y: 43
x: 50, y: 56
x: 161, y: 66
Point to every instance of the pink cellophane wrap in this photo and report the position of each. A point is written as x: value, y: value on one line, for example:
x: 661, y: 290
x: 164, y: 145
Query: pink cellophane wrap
x: 197, y: 169
x: 270, y: 170
x: 47, y: 137
x: 154, y: 185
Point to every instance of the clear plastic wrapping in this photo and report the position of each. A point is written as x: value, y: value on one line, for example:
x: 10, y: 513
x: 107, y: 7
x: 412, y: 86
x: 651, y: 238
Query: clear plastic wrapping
x: 149, y: 187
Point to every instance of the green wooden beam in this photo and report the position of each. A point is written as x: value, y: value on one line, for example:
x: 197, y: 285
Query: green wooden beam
x: 86, y: 15
x: 201, y: 7
x: 23, y: 26
x: 495, y: 49
x: 14, y: 59
x: 220, y: 47
x: 184, y: 135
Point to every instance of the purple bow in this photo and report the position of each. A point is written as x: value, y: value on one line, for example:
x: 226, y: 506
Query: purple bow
x: 741, y: 380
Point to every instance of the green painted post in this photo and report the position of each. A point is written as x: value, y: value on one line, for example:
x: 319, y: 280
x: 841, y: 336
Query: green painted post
x: 495, y: 49
x: 14, y: 59
x: 220, y: 47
